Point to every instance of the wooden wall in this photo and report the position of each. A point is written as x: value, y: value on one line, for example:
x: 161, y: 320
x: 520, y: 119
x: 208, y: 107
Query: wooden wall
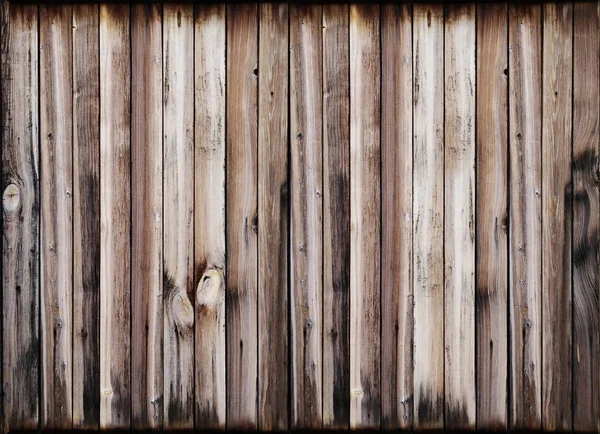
x: 285, y: 216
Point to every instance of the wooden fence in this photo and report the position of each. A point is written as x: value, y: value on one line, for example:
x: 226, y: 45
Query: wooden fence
x: 284, y: 216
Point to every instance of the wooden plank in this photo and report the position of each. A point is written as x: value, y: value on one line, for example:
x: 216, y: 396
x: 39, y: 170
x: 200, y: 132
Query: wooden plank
x: 306, y: 253
x: 273, y: 217
x: 586, y: 208
x: 178, y: 203
x: 459, y: 217
x: 556, y: 216
x: 209, y: 216
x: 147, y: 223
x: 428, y: 216
x: 396, y: 218
x: 56, y: 262
x: 365, y: 220
x: 115, y: 217
x: 21, y: 214
x: 242, y: 216
x: 525, y: 226
x: 336, y: 217
x: 491, y: 291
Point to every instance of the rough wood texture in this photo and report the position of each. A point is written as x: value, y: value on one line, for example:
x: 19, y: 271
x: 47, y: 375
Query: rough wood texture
x: 365, y: 221
x: 20, y: 218
x: 491, y: 293
x: 396, y: 217
x: 209, y: 216
x: 336, y: 217
x: 306, y: 242
x: 147, y: 221
x: 586, y: 208
x: 525, y: 229
x: 428, y: 215
x: 556, y: 216
x: 56, y: 261
x: 242, y: 216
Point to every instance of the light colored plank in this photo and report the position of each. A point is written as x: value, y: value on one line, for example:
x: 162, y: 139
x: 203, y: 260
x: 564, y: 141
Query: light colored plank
x: 525, y: 227
x: 115, y: 219
x: 209, y: 215
x: 242, y: 216
x: 459, y: 217
x: 492, y: 217
x: 365, y: 222
x: 147, y: 221
x: 428, y: 215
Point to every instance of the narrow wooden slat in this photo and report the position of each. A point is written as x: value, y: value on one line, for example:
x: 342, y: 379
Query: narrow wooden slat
x: 242, y: 216
x: 306, y: 244
x: 556, y: 216
x: 86, y: 217
x: 396, y: 218
x: 209, y: 216
x: 491, y: 213
x: 525, y: 227
x: 178, y: 204
x: 336, y: 217
x: 428, y: 215
x: 365, y: 220
x: 147, y: 222
x: 459, y: 217
x: 21, y: 214
x: 273, y: 217
x: 586, y: 208
x: 115, y: 218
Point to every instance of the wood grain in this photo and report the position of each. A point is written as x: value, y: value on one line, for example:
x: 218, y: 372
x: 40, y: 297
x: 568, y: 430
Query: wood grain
x: 365, y: 220
x: 147, y: 222
x: 396, y: 217
x: 306, y: 242
x: 336, y: 217
x: 586, y: 208
x: 491, y: 292
x: 525, y: 226
x: 86, y: 217
x: 20, y: 218
x: 242, y: 216
x: 428, y: 216
x: 209, y: 216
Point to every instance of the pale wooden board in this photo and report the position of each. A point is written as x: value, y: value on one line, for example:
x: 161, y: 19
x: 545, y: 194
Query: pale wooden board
x: 147, y: 217
x: 428, y: 215
x: 306, y: 234
x: 491, y: 293
x: 459, y: 217
x: 396, y: 217
x: 209, y: 216
x: 365, y: 223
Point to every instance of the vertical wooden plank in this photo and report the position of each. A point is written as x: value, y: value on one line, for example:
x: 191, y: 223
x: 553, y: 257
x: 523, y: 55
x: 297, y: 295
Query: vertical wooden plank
x: 209, y: 215
x: 365, y: 219
x: 525, y: 226
x: 306, y: 261
x: 459, y: 217
x: 56, y: 262
x: 115, y: 217
x: 178, y: 203
x: 21, y: 214
x: 428, y: 215
x: 273, y: 217
x: 586, y: 208
x: 491, y: 213
x: 147, y: 222
x: 396, y: 219
x: 242, y: 216
x: 336, y: 216
x: 556, y: 216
